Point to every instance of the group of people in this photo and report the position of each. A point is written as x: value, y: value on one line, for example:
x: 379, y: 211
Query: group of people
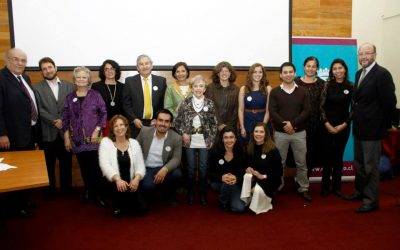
x: 238, y: 139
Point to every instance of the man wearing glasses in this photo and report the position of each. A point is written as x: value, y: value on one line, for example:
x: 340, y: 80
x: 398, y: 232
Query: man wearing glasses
x: 19, y: 119
x: 374, y: 106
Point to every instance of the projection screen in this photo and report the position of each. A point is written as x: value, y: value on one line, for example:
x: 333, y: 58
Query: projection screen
x: 201, y: 33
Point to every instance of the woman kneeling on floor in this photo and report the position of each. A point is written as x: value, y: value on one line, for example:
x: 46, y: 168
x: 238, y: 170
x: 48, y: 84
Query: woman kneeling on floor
x: 264, y: 174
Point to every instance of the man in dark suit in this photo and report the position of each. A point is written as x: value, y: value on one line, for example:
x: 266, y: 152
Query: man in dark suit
x: 143, y: 95
x: 374, y: 106
x: 51, y: 93
x: 162, y: 151
x: 19, y: 123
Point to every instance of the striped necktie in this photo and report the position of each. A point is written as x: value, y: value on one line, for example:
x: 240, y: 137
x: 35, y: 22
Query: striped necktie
x: 34, y: 114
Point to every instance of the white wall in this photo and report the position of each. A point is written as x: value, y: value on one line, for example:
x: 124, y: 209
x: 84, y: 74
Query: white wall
x: 378, y: 21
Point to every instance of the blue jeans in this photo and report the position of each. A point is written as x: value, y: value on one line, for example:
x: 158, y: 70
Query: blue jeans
x: 192, y: 166
x: 229, y: 195
x: 169, y: 184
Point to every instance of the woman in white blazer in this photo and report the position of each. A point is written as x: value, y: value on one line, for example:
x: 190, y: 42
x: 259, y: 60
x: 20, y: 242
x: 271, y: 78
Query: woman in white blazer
x: 121, y: 161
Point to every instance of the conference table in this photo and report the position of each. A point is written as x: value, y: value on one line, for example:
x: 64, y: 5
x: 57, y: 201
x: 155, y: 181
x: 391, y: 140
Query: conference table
x: 31, y: 171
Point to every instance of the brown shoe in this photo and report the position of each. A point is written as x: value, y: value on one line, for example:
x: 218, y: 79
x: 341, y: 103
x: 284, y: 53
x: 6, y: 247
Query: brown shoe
x: 306, y: 196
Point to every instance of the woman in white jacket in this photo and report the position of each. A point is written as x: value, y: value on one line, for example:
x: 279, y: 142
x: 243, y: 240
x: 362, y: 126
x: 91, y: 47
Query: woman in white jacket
x: 121, y: 161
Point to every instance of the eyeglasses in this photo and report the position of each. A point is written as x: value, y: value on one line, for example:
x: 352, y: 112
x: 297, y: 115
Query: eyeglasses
x: 16, y: 60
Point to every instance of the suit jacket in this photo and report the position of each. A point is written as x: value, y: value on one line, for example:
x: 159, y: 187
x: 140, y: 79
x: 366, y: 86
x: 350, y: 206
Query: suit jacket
x: 172, y: 152
x: 133, y: 97
x: 50, y: 108
x: 374, y: 104
x: 15, y: 111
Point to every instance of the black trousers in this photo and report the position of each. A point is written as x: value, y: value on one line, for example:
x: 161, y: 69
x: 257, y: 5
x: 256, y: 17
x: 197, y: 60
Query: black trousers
x: 334, y: 145
x: 130, y: 202
x: 55, y: 150
x: 90, y: 171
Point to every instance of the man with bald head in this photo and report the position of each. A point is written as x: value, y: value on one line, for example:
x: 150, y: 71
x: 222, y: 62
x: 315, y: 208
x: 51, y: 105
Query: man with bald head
x: 374, y: 107
x: 19, y: 124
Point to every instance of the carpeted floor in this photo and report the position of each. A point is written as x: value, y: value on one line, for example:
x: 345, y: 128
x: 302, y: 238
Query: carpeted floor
x: 325, y: 223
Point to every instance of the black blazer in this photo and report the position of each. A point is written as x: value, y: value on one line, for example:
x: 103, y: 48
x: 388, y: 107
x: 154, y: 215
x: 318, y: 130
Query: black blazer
x: 374, y: 104
x: 15, y: 111
x: 133, y: 98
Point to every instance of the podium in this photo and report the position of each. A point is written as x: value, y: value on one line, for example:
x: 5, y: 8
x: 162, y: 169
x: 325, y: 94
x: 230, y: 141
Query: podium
x: 31, y: 171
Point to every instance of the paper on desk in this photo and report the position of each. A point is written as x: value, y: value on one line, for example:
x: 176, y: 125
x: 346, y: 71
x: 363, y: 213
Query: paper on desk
x: 4, y: 167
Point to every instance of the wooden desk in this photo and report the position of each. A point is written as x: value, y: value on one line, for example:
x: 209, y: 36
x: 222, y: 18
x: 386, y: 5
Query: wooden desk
x: 31, y: 171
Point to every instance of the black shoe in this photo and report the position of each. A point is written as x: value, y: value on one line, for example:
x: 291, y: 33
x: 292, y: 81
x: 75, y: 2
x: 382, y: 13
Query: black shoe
x: 85, y: 197
x: 203, y: 200
x: 337, y: 193
x: 366, y: 208
x: 305, y: 195
x: 190, y: 199
x: 353, y: 197
x: 30, y: 204
x: 171, y: 201
x: 99, y: 201
x: 23, y: 214
x: 117, y: 213
x: 324, y: 193
x: 224, y: 206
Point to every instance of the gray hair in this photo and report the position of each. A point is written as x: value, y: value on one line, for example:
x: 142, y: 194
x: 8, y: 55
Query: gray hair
x: 143, y: 56
x: 81, y: 69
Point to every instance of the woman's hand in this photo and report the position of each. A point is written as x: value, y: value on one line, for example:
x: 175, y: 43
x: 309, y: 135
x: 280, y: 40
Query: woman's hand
x: 134, y: 184
x: 67, y: 144
x: 258, y: 175
x: 243, y: 132
x: 95, y: 136
x: 249, y: 170
x: 330, y: 128
x: 186, y: 139
x: 122, y: 185
x: 229, y: 179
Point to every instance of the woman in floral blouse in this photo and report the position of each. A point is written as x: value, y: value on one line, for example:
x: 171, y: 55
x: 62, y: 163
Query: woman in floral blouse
x: 197, y: 123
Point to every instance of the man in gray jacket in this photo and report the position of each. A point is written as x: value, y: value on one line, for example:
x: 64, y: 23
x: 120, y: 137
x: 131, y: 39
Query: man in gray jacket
x: 51, y: 93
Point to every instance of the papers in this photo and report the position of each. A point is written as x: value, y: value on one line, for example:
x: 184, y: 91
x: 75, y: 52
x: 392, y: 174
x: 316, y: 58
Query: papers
x: 4, y: 166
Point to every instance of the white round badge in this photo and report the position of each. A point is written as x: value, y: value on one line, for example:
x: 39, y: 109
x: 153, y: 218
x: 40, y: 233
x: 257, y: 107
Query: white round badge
x: 346, y: 92
x: 263, y: 156
x: 75, y: 99
x: 167, y: 148
x: 221, y: 162
x: 155, y: 88
x: 249, y: 98
x: 205, y: 108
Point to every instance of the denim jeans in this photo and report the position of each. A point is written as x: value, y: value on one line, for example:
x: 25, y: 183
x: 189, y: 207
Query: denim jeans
x: 192, y: 166
x: 168, y: 186
x: 229, y: 195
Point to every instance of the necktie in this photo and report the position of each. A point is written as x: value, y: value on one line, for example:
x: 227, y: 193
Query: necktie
x: 34, y: 114
x: 147, y: 99
x: 364, y: 72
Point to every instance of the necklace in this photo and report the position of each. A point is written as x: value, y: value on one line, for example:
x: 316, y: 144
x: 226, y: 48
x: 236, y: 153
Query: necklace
x: 198, y: 105
x: 112, y: 103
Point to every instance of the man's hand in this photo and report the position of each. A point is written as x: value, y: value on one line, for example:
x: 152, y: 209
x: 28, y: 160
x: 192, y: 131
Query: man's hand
x: 58, y: 123
x: 138, y: 123
x: 4, y: 142
x: 159, y: 177
x: 288, y: 128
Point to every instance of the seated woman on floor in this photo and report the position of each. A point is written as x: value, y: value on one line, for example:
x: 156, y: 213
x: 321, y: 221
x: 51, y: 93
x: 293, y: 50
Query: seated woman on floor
x: 227, y: 167
x: 121, y: 161
x: 264, y: 174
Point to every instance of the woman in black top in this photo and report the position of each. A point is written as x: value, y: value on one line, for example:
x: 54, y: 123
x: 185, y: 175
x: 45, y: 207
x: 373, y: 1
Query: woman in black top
x: 227, y: 168
x: 264, y: 172
x: 336, y: 115
x: 110, y: 89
